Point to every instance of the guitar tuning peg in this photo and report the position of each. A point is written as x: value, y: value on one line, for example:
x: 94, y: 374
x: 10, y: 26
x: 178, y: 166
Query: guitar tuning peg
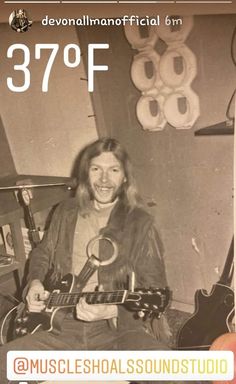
x: 141, y: 314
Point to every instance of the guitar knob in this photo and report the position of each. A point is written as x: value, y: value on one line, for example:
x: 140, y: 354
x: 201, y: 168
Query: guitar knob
x: 24, y: 319
x: 19, y: 320
x: 146, y: 305
x: 155, y: 306
x: 23, y: 331
x: 137, y: 303
x: 18, y: 330
x: 229, y: 300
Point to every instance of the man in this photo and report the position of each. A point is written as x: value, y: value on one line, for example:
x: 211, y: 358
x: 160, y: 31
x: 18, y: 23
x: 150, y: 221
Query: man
x: 106, y: 204
x: 19, y: 21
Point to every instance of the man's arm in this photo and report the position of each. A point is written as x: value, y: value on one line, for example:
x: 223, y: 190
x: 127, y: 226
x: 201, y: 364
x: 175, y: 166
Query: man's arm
x: 42, y: 254
x: 151, y: 273
x: 93, y: 312
x: 40, y: 259
x: 150, y: 268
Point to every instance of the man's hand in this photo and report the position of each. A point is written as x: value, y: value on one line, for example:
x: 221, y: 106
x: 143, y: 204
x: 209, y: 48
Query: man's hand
x: 36, y: 296
x: 93, y: 312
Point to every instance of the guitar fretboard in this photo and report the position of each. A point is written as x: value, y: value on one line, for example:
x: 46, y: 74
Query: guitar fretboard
x: 71, y: 299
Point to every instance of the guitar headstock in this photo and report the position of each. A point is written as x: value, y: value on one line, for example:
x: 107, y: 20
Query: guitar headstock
x: 151, y: 300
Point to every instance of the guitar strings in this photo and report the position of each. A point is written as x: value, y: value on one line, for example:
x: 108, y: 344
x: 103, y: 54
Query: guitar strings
x: 65, y: 298
x: 117, y: 297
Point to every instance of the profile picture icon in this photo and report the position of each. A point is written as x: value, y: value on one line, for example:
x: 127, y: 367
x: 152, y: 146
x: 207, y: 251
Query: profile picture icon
x: 19, y: 21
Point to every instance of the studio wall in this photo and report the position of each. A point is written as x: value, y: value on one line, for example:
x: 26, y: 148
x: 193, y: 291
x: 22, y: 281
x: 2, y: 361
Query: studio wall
x: 186, y: 181
x: 45, y: 131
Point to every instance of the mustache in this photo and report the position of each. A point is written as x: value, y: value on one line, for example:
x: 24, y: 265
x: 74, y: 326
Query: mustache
x: 117, y: 193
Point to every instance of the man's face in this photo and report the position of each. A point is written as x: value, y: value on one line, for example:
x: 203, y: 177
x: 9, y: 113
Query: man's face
x: 106, y: 175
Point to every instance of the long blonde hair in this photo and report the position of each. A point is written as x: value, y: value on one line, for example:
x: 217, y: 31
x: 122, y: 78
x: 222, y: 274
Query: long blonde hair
x: 128, y: 191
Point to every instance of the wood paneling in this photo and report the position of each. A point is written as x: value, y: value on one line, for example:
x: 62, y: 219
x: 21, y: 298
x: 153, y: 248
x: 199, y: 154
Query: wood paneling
x: 7, y: 166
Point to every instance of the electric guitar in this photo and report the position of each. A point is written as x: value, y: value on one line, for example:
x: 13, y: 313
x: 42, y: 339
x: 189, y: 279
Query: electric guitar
x: 151, y: 301
x: 213, y: 312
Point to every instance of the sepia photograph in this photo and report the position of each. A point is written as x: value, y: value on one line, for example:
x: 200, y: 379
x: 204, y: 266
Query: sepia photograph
x: 116, y: 188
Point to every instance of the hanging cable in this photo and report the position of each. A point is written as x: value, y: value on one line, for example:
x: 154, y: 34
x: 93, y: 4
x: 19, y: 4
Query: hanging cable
x: 232, y: 46
x: 234, y: 62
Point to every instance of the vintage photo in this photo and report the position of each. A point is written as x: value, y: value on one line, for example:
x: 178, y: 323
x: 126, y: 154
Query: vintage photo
x: 117, y: 182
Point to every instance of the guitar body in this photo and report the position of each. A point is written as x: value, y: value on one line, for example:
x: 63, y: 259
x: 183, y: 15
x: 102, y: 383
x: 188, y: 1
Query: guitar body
x: 24, y: 322
x: 63, y: 297
x: 211, y: 318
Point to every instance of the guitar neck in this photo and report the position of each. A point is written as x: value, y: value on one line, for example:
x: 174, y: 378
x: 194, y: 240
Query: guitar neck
x: 227, y: 274
x: 71, y: 299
